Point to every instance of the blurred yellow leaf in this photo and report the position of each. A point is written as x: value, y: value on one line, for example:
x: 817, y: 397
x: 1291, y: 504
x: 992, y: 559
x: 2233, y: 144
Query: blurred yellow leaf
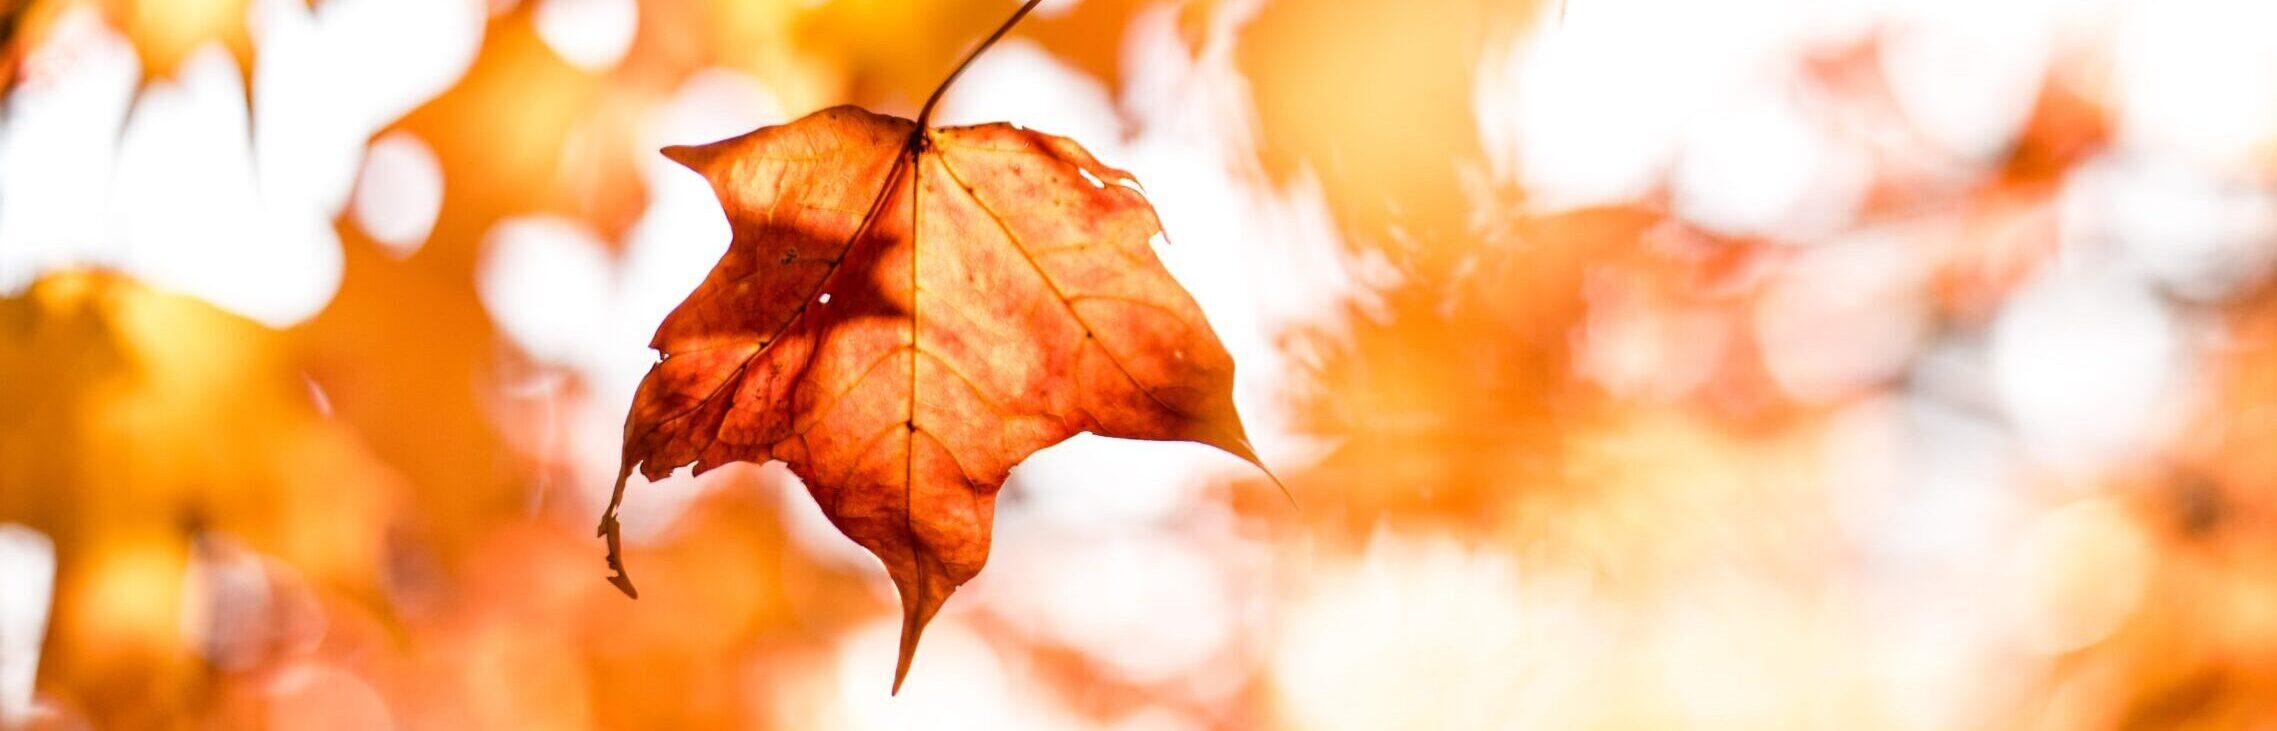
x: 140, y: 421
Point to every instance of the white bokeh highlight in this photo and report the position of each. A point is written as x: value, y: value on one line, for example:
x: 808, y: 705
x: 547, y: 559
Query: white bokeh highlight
x: 399, y: 193
x: 1764, y: 165
x: 957, y: 681
x: 59, y: 148
x: 194, y: 193
x: 27, y: 572
x: 2085, y: 363
x: 1596, y: 108
x: 2196, y: 233
x: 1424, y: 632
x: 2198, y: 79
x: 1966, y: 74
x: 327, y: 79
x: 541, y: 278
x: 591, y: 34
x: 194, y: 217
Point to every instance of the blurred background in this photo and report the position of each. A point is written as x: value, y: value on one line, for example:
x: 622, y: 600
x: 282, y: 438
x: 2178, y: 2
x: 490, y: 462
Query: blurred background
x: 1875, y: 364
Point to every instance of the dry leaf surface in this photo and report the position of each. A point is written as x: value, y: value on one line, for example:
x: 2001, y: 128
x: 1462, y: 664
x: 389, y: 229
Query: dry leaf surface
x: 904, y: 314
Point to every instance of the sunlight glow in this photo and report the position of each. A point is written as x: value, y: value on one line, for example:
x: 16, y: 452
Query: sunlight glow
x: 1762, y: 167
x: 399, y: 192
x: 59, y: 148
x: 2204, y: 234
x: 593, y: 34
x: 2084, y: 362
x: 963, y: 685
x: 1148, y: 607
x: 1630, y: 364
x: 1593, y: 109
x: 328, y: 79
x: 538, y: 279
x: 2199, y: 79
x: 1420, y: 634
x: 196, y: 218
x: 1966, y: 73
x: 204, y: 198
x: 27, y: 570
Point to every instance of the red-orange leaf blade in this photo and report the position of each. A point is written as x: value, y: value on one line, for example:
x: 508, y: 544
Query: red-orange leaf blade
x: 901, y: 320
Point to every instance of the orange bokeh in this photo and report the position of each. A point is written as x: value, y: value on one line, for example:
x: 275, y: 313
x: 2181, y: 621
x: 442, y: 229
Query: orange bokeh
x: 1632, y: 364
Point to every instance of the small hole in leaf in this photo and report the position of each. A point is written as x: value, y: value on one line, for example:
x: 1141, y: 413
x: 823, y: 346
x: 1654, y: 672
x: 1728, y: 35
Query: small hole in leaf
x: 1095, y: 183
x: 824, y: 299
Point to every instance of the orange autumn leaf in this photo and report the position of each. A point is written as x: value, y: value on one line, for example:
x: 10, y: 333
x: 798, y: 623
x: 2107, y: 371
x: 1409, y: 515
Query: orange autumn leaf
x: 904, y: 314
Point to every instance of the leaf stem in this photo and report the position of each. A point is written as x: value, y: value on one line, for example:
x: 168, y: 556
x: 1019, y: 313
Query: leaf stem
x: 925, y: 114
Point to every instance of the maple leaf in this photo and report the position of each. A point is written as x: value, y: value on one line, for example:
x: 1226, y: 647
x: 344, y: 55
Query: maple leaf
x: 904, y: 313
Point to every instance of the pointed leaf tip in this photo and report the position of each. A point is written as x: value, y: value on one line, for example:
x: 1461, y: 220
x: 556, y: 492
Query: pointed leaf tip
x: 909, y: 632
x: 1284, y: 487
x: 1238, y: 445
x: 918, y: 605
x: 693, y: 157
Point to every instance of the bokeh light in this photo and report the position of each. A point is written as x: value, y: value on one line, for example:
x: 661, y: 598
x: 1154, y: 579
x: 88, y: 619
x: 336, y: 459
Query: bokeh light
x: 1629, y: 364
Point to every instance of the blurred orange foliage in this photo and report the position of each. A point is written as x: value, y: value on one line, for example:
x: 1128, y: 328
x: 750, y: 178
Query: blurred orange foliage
x: 1634, y: 365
